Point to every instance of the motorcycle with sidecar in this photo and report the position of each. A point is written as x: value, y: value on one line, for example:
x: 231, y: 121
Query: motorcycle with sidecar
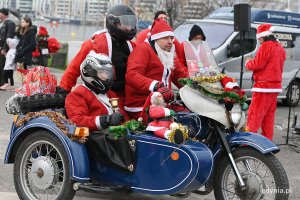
x: 49, y: 164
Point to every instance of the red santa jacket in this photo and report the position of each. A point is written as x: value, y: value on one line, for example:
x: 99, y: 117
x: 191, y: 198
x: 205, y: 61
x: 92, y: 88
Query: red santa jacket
x: 100, y: 43
x: 156, y: 113
x: 144, y: 70
x: 84, y: 107
x: 267, y: 67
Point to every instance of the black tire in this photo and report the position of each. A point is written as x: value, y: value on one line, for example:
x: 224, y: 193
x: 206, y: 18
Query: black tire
x: 295, y: 94
x: 255, y: 181
x: 42, y: 167
x: 22, y: 105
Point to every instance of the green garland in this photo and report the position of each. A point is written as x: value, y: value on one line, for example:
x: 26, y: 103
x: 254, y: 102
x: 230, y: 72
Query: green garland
x: 225, y: 94
x: 121, y: 130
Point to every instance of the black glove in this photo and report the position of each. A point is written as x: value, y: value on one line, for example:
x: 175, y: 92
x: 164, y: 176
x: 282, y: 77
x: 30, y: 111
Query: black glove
x: 60, y: 90
x: 110, y: 120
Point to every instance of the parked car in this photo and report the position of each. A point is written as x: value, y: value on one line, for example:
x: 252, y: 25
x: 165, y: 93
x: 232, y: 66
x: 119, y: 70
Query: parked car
x: 225, y: 43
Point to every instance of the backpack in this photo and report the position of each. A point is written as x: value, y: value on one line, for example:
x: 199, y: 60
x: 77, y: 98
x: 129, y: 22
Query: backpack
x: 37, y: 80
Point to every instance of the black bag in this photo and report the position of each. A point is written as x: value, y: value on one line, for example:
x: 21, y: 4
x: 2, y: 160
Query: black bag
x: 119, y: 153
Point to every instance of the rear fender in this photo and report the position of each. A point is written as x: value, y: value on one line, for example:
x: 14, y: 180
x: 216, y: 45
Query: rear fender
x: 77, y: 153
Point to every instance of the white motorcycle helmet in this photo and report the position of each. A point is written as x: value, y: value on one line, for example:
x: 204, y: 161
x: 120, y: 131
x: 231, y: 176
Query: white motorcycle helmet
x: 97, y: 72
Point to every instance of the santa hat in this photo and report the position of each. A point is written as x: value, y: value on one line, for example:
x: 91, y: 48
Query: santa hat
x: 149, y: 101
x: 228, y: 82
x: 264, y: 30
x: 160, y: 28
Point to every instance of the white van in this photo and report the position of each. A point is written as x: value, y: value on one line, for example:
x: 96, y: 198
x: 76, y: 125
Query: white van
x: 225, y: 43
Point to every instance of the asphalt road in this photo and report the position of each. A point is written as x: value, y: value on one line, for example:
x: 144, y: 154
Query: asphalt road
x: 288, y: 157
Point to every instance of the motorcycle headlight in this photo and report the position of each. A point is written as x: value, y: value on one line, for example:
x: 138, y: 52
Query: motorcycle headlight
x: 236, y: 114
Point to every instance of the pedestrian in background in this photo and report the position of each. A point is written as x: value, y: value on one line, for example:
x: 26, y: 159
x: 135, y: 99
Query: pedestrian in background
x: 10, y: 64
x: 7, y: 30
x: 267, y: 67
x: 26, y: 45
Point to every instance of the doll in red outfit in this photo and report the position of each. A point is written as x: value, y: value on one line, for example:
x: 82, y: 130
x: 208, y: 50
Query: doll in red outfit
x: 163, y: 119
x: 89, y: 104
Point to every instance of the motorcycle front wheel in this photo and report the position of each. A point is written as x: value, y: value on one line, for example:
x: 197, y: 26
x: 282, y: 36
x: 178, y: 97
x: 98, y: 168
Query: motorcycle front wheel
x: 42, y: 169
x: 264, y: 176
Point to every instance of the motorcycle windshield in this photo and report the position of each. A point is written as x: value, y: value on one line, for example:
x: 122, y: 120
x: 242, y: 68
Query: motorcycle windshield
x: 199, y: 59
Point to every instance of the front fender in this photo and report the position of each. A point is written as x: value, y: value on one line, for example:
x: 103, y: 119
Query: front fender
x: 77, y: 153
x: 257, y: 141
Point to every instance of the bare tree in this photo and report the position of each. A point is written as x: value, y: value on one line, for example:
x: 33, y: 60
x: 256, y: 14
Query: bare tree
x: 172, y: 9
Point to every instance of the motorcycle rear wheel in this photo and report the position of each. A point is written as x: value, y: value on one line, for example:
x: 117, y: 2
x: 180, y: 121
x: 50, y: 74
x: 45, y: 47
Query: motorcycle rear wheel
x: 264, y: 176
x: 42, y: 169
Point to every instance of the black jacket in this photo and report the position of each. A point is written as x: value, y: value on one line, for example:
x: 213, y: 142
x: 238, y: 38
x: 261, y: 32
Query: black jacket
x: 7, y: 30
x: 25, y: 47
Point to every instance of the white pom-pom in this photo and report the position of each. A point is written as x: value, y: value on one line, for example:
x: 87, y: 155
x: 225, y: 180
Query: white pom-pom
x: 140, y: 119
x: 174, y: 126
x: 272, y: 29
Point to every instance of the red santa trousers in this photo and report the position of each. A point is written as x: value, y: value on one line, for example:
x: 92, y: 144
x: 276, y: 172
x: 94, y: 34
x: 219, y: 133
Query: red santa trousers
x: 261, y: 113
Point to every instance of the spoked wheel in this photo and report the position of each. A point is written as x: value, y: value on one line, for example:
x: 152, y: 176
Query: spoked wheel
x: 264, y: 176
x: 41, y: 169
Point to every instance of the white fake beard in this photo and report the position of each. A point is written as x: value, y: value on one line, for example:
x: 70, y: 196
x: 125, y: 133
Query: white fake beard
x: 166, y: 58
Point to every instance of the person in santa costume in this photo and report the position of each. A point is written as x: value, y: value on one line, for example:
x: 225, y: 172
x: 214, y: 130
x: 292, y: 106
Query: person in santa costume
x: 115, y: 42
x: 144, y: 35
x: 267, y: 67
x: 89, y: 104
x: 152, y: 67
x: 163, y: 119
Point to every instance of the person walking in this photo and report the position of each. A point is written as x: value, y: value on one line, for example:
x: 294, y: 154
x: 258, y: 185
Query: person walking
x: 7, y: 30
x: 267, y: 67
x: 10, y: 64
x: 26, y: 45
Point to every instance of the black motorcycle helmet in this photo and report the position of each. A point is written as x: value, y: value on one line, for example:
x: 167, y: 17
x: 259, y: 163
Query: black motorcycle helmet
x: 97, y: 72
x: 121, y: 22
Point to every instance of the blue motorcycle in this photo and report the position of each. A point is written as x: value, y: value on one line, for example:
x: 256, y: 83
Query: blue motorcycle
x: 50, y: 164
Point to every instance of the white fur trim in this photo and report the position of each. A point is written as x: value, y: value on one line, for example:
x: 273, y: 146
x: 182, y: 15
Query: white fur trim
x: 263, y: 34
x: 161, y: 35
x: 109, y: 44
x: 99, y: 32
x: 167, y: 133
x: 167, y: 112
x: 154, y: 128
x: 152, y: 85
x: 231, y: 85
x: 133, y: 109
x: 267, y: 90
x: 97, y: 122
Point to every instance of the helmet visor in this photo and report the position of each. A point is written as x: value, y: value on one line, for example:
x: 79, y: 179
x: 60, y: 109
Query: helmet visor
x: 106, y: 74
x: 127, y: 22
